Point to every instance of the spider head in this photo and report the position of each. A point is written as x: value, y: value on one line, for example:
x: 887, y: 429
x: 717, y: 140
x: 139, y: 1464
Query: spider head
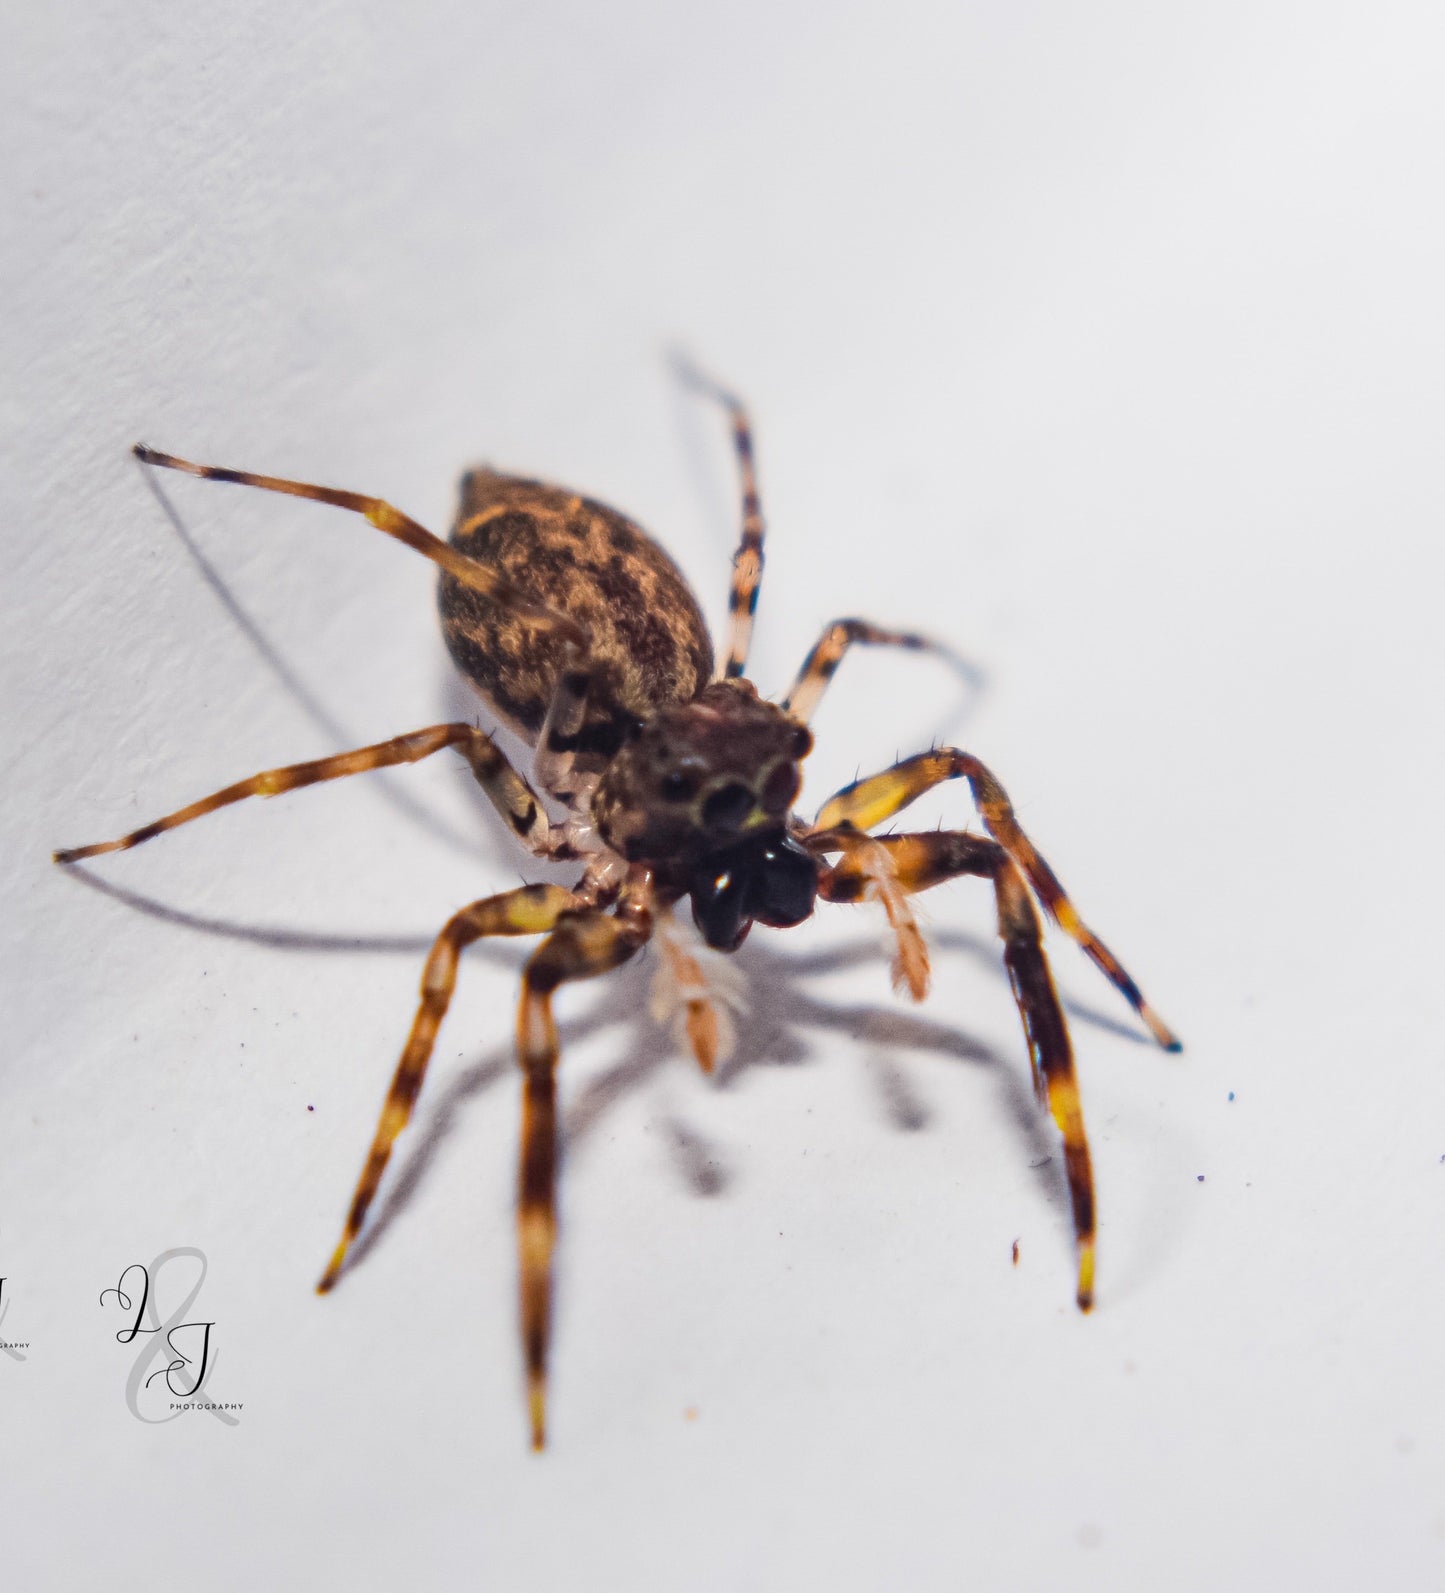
x: 701, y: 777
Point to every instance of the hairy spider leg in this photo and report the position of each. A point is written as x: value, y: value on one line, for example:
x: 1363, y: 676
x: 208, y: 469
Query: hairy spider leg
x: 871, y: 801
x: 822, y: 662
x: 682, y: 992
x: 581, y: 945
x: 921, y: 861
x: 396, y: 524
x: 510, y: 794
x: 557, y: 740
x: 871, y: 863
x: 748, y: 560
x: 529, y: 910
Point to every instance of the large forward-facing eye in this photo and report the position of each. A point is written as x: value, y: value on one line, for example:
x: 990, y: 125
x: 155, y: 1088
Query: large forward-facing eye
x: 728, y: 806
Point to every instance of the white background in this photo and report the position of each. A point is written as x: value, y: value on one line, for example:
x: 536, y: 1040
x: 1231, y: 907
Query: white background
x: 1104, y: 342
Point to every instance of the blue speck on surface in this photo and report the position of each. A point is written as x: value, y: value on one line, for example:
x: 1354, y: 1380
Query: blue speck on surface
x: 1231, y: 1095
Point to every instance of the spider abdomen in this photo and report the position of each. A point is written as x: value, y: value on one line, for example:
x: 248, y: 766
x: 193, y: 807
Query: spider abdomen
x: 649, y: 642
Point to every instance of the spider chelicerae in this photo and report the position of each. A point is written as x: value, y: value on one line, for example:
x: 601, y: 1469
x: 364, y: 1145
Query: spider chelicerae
x: 667, y: 779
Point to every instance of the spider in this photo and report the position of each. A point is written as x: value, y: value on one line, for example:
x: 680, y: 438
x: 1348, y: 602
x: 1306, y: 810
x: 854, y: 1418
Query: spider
x: 664, y: 779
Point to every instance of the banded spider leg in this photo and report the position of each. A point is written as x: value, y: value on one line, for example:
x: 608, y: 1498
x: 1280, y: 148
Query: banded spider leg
x: 581, y: 940
x: 891, y: 867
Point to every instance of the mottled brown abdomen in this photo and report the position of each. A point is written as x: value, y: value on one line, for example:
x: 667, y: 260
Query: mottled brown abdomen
x: 650, y: 645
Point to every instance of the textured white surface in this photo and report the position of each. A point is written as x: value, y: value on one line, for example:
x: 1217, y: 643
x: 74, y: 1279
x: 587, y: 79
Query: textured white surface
x: 1107, y: 343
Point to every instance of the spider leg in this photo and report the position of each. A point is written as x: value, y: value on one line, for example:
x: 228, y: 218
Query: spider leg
x: 822, y: 662
x: 557, y: 739
x: 748, y: 560
x: 868, y: 802
x: 530, y: 910
x: 920, y: 861
x: 582, y: 945
x: 395, y: 524
x: 685, y: 999
x: 509, y: 792
x: 869, y: 861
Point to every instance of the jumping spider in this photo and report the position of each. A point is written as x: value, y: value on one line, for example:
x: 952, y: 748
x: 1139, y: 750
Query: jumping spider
x: 677, y: 781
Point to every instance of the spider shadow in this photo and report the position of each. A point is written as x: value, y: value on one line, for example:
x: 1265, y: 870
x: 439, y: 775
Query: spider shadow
x: 274, y: 936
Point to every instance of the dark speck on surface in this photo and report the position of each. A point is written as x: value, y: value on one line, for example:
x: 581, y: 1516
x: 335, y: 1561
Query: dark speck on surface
x: 1200, y: 1178
x: 1231, y: 1095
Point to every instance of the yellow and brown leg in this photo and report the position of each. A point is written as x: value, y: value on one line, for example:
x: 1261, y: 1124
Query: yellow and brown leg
x: 394, y: 523
x: 748, y: 560
x: 822, y: 662
x: 510, y: 794
x: 920, y: 861
x: 868, y: 802
x: 582, y: 945
x: 531, y: 910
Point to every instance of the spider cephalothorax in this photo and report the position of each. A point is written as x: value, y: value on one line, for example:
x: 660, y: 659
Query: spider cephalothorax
x: 699, y: 775
x: 581, y: 634
x: 701, y: 793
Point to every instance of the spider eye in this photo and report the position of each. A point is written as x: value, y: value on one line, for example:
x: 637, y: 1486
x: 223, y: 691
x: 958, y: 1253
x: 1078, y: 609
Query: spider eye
x: 727, y: 807
x: 802, y: 742
x: 678, y: 787
x: 780, y: 788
